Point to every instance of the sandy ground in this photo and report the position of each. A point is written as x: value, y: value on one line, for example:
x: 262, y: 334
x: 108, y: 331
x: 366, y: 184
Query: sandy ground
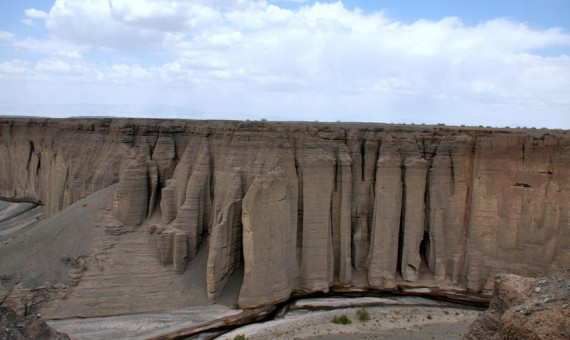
x: 14, y: 217
x: 400, y: 322
x: 397, y: 318
x: 140, y: 326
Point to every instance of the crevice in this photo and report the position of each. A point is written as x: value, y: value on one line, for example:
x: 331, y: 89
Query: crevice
x: 522, y: 185
x: 425, y: 248
x: 470, y: 181
x: 402, y: 222
x: 372, y: 191
x: 376, y: 168
x: 452, y: 169
x: 427, y: 215
x: 300, y: 210
x: 363, y: 160
x: 64, y: 187
x: 523, y: 149
x: 335, y: 180
x: 39, y: 164
x: 30, y: 153
x: 153, y: 146
x: 427, y: 203
x: 210, y: 165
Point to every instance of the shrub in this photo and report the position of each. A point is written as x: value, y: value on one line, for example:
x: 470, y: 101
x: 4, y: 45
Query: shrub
x: 362, y: 314
x: 341, y: 320
x: 235, y: 306
x: 429, y: 317
x: 240, y: 337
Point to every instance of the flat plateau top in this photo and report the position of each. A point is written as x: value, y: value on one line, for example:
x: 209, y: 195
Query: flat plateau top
x: 185, y: 125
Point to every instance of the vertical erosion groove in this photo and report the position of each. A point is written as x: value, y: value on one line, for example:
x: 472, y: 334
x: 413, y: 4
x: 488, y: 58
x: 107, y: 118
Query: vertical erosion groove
x: 425, y: 248
x: 427, y: 220
x: 30, y: 153
x: 335, y: 218
x: 299, y: 211
x: 363, y: 160
x: 402, y: 221
x: 452, y: 165
x: 470, y: 180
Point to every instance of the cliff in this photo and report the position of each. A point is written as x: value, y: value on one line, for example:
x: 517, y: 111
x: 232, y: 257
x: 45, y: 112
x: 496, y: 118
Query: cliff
x: 298, y: 207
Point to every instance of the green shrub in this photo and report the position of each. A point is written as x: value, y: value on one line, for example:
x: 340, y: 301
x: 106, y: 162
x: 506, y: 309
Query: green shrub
x: 429, y: 317
x: 341, y: 320
x: 235, y: 306
x: 362, y: 314
x: 240, y: 337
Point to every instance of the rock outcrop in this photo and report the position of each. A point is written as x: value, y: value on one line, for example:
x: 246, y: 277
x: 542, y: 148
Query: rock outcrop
x: 526, y: 308
x: 17, y: 327
x: 301, y: 207
x: 132, y: 196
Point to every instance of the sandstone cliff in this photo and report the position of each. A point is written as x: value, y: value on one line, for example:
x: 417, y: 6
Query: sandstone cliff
x: 302, y: 206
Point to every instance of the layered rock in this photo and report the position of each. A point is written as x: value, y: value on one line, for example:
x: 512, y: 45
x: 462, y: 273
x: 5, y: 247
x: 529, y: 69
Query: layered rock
x: 384, y: 251
x: 268, y: 241
x: 131, y: 198
x: 449, y: 196
x: 412, y: 221
x: 359, y: 205
x: 316, y: 253
x: 164, y: 155
x: 526, y: 308
x: 341, y: 217
x: 226, y: 239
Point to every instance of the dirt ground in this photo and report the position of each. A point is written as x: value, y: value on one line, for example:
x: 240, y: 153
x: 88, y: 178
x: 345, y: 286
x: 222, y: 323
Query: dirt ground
x: 387, y: 322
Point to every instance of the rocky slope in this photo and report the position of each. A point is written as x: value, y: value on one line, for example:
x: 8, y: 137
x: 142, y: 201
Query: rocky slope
x: 301, y: 207
x: 526, y: 308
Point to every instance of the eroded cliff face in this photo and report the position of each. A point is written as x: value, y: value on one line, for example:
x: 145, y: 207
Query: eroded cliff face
x: 305, y: 206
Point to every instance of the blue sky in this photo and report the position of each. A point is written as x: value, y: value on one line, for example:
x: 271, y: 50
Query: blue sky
x: 494, y: 63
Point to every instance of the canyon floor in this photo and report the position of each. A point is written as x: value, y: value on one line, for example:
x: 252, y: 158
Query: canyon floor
x: 387, y: 322
x: 428, y: 319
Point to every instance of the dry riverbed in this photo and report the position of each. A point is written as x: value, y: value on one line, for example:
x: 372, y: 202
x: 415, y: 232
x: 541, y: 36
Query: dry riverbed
x: 387, y: 322
x: 403, y: 317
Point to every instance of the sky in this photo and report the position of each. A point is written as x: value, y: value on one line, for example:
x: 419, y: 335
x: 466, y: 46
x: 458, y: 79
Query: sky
x: 491, y: 63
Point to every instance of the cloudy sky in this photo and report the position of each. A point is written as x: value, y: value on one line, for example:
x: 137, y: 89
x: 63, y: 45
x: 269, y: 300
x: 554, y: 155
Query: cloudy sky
x: 480, y: 62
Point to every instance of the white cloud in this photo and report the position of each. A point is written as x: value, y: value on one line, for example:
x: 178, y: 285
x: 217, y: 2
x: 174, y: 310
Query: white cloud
x: 14, y: 67
x: 52, y: 46
x: 320, y: 59
x: 35, y: 13
x: 6, y: 35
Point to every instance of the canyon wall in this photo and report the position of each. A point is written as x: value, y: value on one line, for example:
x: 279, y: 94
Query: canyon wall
x: 303, y: 207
